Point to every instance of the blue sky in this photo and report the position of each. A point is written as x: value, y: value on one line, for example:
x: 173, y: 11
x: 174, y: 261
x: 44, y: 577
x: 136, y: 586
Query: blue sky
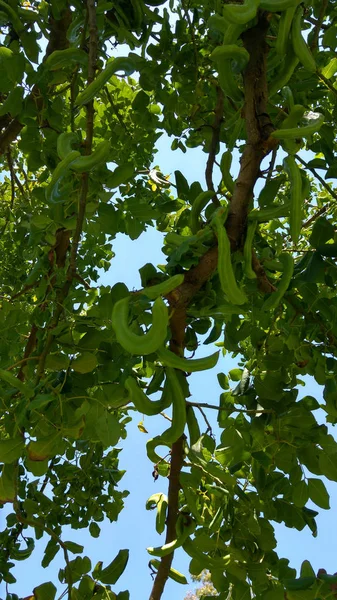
x: 135, y: 529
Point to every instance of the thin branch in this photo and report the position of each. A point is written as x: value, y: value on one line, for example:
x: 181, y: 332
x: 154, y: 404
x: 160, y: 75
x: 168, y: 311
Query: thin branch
x: 37, y: 524
x: 318, y: 177
x: 327, y: 82
x: 218, y: 117
x: 234, y: 409
x: 116, y: 111
x: 12, y: 174
x: 209, y: 426
x: 318, y: 25
x: 314, y: 21
x: 271, y: 165
x: 317, y: 214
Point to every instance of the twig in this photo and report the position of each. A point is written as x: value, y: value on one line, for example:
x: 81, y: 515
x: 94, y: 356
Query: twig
x: 83, y: 281
x: 37, y: 524
x: 20, y: 362
x: 12, y: 174
x: 234, y: 409
x: 314, y: 21
x: 115, y: 110
x: 327, y: 83
x: 218, y: 116
x: 209, y: 426
x: 317, y: 214
x: 318, y: 177
x: 271, y: 165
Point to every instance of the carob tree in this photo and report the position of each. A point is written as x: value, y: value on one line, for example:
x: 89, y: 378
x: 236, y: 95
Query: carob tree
x: 250, y: 262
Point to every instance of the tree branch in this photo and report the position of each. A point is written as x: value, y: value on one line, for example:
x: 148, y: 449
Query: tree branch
x: 177, y: 459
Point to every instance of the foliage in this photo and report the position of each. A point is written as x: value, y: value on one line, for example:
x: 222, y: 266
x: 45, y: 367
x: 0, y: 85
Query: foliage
x: 205, y: 589
x: 78, y: 130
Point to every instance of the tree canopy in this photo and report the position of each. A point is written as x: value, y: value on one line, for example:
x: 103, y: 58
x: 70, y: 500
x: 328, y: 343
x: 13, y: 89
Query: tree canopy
x: 86, y: 90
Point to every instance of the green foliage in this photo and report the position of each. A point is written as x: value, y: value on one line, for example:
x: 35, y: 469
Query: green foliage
x: 250, y: 267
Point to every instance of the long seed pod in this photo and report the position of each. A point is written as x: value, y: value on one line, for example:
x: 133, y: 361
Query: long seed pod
x: 288, y: 268
x: 189, y: 365
x: 240, y: 14
x: 192, y: 425
x: 173, y: 573
x: 278, y: 5
x: 163, y: 288
x: 118, y: 64
x: 247, y: 250
x: 141, y: 401
x: 100, y: 155
x: 295, y: 180
x: 263, y: 215
x: 178, y: 408
x: 140, y: 344
x: 198, y: 205
x: 225, y: 267
x: 300, y: 46
x: 284, y: 28
x: 225, y: 165
x: 177, y: 543
x: 60, y: 172
x: 316, y: 121
x: 281, y: 79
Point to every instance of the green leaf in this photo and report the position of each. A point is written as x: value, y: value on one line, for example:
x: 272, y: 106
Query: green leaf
x: 328, y: 465
x: 9, y: 378
x: 302, y: 583
x: 36, y: 468
x: 323, y: 231
x: 57, y: 362
x: 315, y: 271
x: 318, y: 493
x: 94, y: 529
x: 307, y: 570
x: 114, y: 570
x: 235, y: 374
x: 45, y: 448
x: 11, y: 449
x: 7, y: 484
x: 120, y: 175
x: 300, y: 494
x: 74, y: 548
x: 85, y: 363
x: 46, y: 591
x: 182, y: 185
